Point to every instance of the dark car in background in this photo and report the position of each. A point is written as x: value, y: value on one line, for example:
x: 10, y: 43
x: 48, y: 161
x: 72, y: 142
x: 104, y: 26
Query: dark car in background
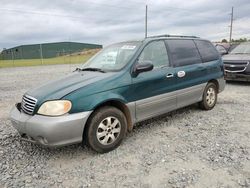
x: 225, y: 48
x: 236, y: 63
x: 221, y: 49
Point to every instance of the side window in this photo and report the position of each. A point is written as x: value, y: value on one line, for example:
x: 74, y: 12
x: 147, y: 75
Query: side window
x: 207, y: 50
x: 184, y: 52
x: 155, y: 52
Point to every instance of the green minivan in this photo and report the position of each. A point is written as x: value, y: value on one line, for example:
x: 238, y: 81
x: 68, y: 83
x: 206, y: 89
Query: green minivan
x: 121, y: 85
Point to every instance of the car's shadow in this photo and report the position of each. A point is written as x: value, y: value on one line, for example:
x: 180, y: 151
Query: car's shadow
x: 240, y: 83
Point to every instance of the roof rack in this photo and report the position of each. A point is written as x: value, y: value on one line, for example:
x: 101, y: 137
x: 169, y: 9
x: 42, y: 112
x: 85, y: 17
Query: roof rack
x: 181, y: 36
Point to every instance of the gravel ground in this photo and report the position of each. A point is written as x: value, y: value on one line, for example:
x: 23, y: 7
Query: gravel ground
x: 184, y: 148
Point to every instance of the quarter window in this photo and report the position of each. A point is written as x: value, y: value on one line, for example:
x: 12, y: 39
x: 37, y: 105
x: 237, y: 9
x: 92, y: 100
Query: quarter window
x: 156, y: 53
x: 184, y: 52
x: 207, y: 50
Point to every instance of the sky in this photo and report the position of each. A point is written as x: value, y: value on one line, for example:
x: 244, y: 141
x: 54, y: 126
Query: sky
x: 105, y: 22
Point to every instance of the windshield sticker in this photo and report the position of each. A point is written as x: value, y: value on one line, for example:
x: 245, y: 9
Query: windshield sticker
x: 128, y: 47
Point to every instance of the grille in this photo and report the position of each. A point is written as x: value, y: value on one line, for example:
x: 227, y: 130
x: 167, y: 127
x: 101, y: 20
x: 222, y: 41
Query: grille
x: 28, y: 104
x: 235, y: 66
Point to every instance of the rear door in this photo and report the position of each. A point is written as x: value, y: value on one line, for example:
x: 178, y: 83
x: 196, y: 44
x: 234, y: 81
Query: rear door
x: 212, y: 65
x: 189, y: 70
x: 153, y: 90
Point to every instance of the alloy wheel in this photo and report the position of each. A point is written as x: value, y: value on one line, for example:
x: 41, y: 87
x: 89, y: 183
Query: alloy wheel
x: 108, y: 130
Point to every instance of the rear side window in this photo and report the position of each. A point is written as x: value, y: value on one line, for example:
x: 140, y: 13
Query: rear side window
x: 207, y: 50
x: 184, y: 52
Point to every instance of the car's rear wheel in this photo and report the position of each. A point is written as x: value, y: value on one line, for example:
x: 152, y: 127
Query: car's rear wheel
x: 209, y: 98
x: 106, y: 129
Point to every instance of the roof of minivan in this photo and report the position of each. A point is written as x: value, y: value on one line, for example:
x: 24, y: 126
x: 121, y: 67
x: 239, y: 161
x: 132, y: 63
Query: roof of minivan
x: 171, y: 37
x: 165, y: 37
x: 186, y: 38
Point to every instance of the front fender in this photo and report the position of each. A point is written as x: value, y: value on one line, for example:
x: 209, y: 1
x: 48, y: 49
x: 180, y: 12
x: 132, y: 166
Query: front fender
x: 89, y: 103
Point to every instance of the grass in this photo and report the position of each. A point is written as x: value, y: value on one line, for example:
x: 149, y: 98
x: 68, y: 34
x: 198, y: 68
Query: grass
x: 73, y: 59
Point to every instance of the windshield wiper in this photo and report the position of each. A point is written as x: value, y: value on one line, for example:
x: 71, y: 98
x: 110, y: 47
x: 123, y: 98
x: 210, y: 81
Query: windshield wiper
x: 90, y: 69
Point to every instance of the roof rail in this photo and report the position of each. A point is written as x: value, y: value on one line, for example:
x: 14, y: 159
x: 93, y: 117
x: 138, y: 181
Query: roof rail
x: 181, y: 36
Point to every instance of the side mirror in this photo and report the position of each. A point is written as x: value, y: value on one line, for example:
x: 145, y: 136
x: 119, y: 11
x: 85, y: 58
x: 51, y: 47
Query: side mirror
x: 143, y: 67
x: 223, y: 52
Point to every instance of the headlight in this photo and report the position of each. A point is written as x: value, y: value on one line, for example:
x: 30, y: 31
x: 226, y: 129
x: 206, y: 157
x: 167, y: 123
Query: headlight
x: 55, y: 108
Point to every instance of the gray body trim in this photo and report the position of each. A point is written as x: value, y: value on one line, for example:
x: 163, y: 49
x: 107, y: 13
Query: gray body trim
x: 153, y: 106
x: 190, y: 95
x: 222, y: 84
x: 50, y: 131
x: 160, y: 104
x: 131, y: 106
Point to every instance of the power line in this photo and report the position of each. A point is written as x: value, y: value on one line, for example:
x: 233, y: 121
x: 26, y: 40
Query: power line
x: 61, y: 15
x: 113, y: 6
x: 49, y: 14
x: 101, y: 4
x: 188, y: 11
x: 120, y: 7
x: 38, y: 13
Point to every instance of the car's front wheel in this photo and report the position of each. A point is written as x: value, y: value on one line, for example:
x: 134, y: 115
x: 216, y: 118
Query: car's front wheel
x: 106, y: 129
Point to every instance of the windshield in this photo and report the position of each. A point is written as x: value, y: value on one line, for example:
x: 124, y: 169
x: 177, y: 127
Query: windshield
x: 243, y: 48
x: 113, y: 57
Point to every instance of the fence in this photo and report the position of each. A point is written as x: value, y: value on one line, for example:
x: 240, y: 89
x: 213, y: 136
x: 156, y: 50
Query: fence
x: 59, y: 57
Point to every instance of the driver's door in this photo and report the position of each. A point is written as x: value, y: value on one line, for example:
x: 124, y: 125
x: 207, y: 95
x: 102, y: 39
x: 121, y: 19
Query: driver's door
x: 153, y: 90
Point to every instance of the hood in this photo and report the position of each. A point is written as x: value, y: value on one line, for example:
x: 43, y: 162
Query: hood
x: 61, y: 87
x: 236, y: 57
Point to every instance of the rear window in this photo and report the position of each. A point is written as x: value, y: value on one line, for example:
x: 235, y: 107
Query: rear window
x: 183, y: 52
x: 207, y: 50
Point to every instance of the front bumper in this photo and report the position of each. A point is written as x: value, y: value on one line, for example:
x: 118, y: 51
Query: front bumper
x: 50, y: 131
x: 237, y: 77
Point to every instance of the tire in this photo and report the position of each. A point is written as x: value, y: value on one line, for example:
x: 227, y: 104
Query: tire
x: 209, y: 97
x: 106, y: 129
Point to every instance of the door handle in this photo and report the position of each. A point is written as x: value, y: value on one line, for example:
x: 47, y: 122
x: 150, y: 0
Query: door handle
x: 170, y: 75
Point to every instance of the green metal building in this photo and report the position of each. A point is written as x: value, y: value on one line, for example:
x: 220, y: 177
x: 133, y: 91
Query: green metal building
x: 45, y: 50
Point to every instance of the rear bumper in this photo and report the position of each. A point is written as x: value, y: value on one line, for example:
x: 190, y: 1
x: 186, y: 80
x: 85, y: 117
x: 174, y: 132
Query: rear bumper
x: 237, y: 77
x: 50, y: 131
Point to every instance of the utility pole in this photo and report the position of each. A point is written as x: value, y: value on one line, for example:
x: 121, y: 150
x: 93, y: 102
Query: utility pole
x: 146, y: 22
x: 12, y: 56
x: 41, y: 52
x: 231, y: 25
